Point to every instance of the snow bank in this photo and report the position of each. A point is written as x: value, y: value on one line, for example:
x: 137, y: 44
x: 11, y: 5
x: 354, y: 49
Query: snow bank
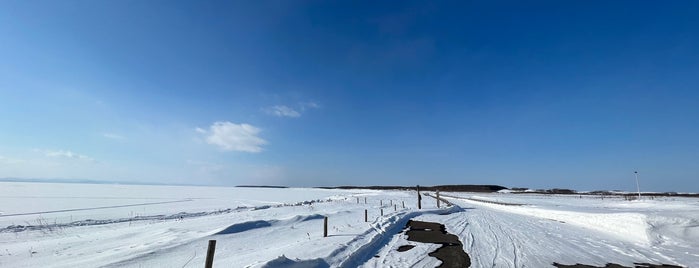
x: 365, y: 246
x: 673, y: 231
x: 250, y: 225
x: 284, y: 262
x: 628, y: 226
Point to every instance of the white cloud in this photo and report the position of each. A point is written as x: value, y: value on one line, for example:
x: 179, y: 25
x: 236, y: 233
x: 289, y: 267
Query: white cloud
x: 113, y: 136
x: 66, y: 154
x: 286, y: 111
x: 309, y: 105
x: 282, y: 111
x: 233, y: 137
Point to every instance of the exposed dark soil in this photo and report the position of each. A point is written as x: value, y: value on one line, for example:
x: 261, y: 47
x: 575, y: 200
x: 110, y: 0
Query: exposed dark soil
x: 405, y: 248
x: 614, y: 265
x: 451, y: 253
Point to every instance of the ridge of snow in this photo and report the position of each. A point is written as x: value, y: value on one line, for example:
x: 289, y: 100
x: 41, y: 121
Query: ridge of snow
x: 628, y: 226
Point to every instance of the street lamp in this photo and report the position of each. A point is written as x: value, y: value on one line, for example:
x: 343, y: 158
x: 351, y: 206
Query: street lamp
x: 637, y: 187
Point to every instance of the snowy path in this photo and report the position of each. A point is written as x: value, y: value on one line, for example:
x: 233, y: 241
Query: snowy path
x: 496, y: 238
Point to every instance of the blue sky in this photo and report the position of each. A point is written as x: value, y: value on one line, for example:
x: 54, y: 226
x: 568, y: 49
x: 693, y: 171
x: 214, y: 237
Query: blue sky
x: 571, y: 94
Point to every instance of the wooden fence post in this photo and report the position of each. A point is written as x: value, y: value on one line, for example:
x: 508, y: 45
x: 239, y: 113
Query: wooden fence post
x: 382, y: 212
x: 381, y: 202
x: 364, y: 200
x: 403, y: 204
x: 357, y: 200
x: 395, y: 207
x: 437, y: 198
x: 325, y: 227
x: 366, y: 219
x: 419, y: 198
x: 210, y: 254
x: 391, y: 202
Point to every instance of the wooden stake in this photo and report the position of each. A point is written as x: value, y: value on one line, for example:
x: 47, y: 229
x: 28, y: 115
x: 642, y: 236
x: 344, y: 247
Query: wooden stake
x: 381, y: 202
x: 357, y: 200
x: 419, y: 198
x: 382, y: 212
x: 366, y: 219
x: 403, y: 204
x: 325, y: 227
x: 210, y: 254
x: 364, y: 200
x: 395, y: 207
x: 437, y: 198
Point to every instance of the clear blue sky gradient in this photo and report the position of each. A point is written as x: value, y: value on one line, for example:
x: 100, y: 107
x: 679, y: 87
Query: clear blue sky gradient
x: 571, y: 94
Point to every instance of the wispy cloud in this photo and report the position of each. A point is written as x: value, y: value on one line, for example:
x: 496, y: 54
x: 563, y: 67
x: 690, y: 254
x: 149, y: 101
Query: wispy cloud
x: 308, y: 105
x: 113, y: 136
x: 229, y: 136
x: 66, y: 154
x: 282, y: 111
x: 286, y: 111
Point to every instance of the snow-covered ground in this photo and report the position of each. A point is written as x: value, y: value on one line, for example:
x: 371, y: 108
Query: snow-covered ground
x: 90, y: 225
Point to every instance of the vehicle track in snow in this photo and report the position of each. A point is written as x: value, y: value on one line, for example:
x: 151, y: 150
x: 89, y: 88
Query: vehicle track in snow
x: 496, y: 238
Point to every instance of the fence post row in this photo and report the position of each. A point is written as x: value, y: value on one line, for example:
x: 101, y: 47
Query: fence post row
x: 212, y: 243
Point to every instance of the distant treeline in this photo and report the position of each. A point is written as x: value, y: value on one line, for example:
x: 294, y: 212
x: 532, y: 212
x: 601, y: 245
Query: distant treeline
x: 261, y: 186
x: 443, y: 188
x: 600, y: 192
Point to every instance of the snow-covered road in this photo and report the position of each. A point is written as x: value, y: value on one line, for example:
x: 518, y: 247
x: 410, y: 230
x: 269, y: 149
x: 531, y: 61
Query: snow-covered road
x: 494, y: 236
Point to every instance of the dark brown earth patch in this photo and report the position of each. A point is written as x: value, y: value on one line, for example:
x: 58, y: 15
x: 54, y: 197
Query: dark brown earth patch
x: 451, y: 253
x: 405, y: 248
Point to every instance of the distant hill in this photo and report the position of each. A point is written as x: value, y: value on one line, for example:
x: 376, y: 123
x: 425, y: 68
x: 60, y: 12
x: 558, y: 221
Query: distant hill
x: 444, y: 188
x: 260, y: 186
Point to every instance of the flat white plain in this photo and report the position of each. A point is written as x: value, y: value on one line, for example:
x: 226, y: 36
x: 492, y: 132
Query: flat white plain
x: 101, y: 225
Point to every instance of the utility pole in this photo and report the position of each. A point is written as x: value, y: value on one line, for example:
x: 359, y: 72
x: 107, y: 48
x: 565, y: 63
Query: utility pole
x: 637, y: 187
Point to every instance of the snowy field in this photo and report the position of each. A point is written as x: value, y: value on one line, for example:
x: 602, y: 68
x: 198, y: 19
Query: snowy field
x: 90, y: 225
